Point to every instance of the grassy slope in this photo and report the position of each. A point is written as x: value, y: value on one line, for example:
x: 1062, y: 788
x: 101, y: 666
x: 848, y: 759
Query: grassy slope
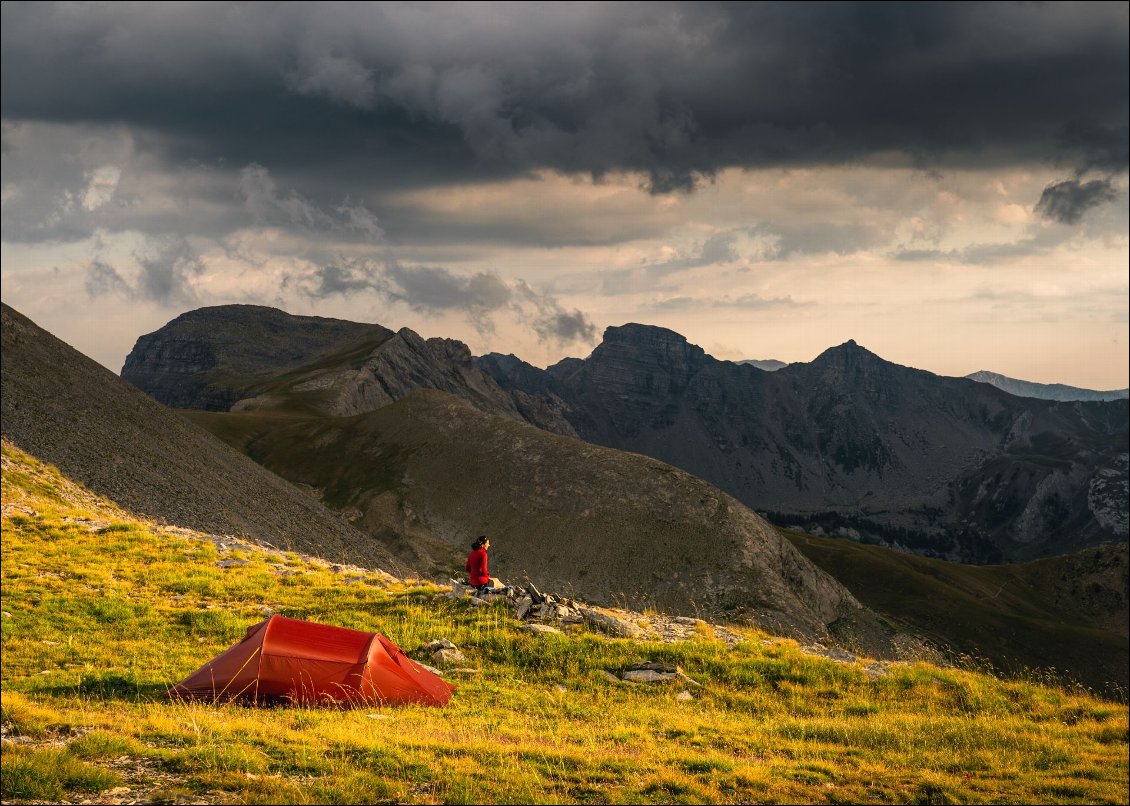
x: 1006, y: 614
x: 106, y: 612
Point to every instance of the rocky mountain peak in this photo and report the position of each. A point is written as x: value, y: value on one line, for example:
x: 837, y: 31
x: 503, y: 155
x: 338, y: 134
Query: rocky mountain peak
x: 205, y: 358
x: 852, y: 361
x: 650, y: 338
x: 645, y: 358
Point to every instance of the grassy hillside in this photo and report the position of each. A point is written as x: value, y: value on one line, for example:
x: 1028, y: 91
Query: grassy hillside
x: 102, y: 611
x: 1069, y: 612
x: 603, y: 524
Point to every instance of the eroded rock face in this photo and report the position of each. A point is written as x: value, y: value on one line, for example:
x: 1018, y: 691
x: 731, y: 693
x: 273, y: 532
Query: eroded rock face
x: 208, y: 358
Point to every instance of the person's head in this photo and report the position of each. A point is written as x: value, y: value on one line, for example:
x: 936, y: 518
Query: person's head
x: 481, y: 542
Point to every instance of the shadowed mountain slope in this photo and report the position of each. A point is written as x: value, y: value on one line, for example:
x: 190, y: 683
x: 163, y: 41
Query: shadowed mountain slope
x: 1068, y: 613
x: 64, y: 408
x: 853, y: 444
x: 606, y: 525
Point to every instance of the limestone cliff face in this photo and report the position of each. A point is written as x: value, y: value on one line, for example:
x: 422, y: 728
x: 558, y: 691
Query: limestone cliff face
x: 852, y: 444
x: 209, y: 358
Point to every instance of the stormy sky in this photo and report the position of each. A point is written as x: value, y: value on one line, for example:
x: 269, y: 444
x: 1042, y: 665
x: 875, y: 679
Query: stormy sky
x: 944, y: 183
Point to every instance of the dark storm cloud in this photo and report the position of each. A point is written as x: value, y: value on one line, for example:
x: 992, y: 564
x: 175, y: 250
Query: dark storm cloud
x: 415, y: 94
x: 1067, y: 201
x: 434, y: 289
x: 1089, y: 147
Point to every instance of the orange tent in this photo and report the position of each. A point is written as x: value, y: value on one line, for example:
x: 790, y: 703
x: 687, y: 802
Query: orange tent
x: 302, y: 662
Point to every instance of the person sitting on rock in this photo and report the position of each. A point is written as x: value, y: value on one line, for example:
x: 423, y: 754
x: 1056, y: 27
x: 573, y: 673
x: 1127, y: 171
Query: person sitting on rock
x: 477, y: 573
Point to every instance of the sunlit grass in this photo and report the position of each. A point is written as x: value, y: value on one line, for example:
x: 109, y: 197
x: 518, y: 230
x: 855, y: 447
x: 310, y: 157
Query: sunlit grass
x: 103, y: 619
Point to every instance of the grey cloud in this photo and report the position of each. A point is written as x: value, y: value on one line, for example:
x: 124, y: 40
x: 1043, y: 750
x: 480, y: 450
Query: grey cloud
x: 925, y: 255
x: 981, y: 253
x: 750, y: 302
x: 757, y: 302
x: 718, y: 248
x: 268, y: 205
x: 433, y: 289
x: 345, y: 279
x: 1067, y: 201
x: 565, y: 327
x: 167, y: 267
x: 427, y: 94
x: 166, y: 272
x: 102, y: 278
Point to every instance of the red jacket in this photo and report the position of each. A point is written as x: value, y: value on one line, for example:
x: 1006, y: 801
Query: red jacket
x: 477, y: 567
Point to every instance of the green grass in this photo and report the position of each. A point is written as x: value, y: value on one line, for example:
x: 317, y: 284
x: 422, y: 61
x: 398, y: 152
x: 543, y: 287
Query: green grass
x: 103, y: 619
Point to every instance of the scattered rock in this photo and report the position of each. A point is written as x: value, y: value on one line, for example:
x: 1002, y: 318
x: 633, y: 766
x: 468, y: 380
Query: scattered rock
x: 831, y: 653
x: 655, y: 666
x: 524, y: 605
x: 877, y: 669
x: 610, y: 624
x: 232, y: 563
x: 684, y: 696
x: 686, y: 621
x: 648, y: 676
x: 446, y: 656
x: 439, y: 643
x: 431, y: 669
x: 540, y: 629
x: 611, y: 677
x: 6, y: 614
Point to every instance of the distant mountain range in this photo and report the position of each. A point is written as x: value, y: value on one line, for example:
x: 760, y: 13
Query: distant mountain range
x: 769, y: 364
x: 853, y: 445
x: 386, y: 470
x: 1045, y: 391
x: 848, y: 444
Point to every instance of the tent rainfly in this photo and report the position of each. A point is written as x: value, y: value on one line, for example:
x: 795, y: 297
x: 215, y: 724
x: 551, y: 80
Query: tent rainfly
x: 284, y: 659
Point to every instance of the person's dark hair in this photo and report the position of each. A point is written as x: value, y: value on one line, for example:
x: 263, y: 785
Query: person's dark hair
x: 479, y: 541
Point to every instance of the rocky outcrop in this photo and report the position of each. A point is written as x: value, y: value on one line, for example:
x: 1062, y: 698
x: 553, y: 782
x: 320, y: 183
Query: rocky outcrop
x: 854, y: 445
x: 209, y: 358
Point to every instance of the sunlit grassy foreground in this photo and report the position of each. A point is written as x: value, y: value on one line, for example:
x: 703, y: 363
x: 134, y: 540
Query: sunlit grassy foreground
x: 102, y: 619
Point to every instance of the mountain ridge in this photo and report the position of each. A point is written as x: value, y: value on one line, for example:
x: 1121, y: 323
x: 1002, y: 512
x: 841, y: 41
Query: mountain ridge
x: 1045, y: 391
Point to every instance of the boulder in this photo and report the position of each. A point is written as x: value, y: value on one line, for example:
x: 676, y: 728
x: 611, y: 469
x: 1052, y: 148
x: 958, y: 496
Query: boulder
x: 608, y: 623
